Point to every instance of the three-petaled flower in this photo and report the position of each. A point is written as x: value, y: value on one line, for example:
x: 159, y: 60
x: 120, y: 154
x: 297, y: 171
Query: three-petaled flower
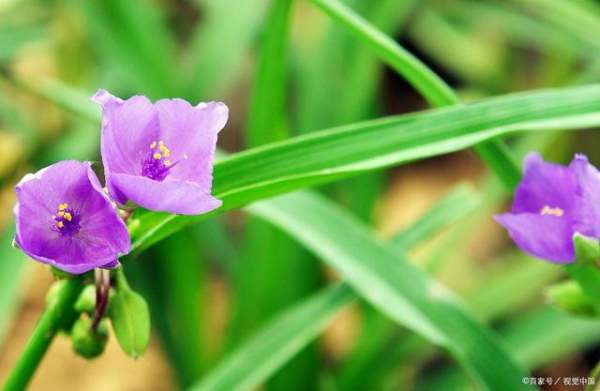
x: 551, y: 204
x: 64, y: 219
x: 160, y: 156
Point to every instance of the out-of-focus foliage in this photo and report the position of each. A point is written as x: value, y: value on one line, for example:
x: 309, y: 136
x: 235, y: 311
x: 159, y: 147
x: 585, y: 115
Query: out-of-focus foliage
x: 288, y: 69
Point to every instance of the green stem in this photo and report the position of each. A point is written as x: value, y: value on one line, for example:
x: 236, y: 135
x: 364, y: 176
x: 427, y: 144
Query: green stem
x: 423, y: 79
x: 121, y: 280
x: 58, y: 314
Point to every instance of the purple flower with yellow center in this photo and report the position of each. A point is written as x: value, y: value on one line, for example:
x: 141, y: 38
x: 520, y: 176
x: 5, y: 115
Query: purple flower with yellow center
x: 551, y: 204
x: 65, y: 219
x: 160, y: 156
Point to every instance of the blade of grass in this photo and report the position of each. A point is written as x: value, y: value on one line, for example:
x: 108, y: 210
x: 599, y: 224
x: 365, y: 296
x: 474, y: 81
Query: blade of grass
x: 342, y: 152
x: 277, y: 342
x: 580, y: 19
x: 493, y: 297
x: 393, y: 285
x: 268, y: 255
x: 133, y: 38
x: 433, y: 88
x: 217, y: 52
x: 369, y: 358
x: 267, y: 113
x: 471, y: 58
x: 539, y: 338
x: 335, y: 63
x: 239, y: 370
x: 353, y: 71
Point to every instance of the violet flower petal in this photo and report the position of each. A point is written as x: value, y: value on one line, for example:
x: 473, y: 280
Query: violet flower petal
x: 587, y: 214
x: 191, y: 134
x: 128, y: 127
x: 547, y: 237
x: 544, y: 184
x: 63, y: 218
x: 171, y: 196
x: 551, y: 204
x: 166, y: 148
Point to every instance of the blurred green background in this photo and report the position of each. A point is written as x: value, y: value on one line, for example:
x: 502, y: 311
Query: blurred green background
x: 212, y: 285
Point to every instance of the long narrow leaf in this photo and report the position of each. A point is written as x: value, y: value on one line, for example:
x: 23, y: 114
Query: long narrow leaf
x: 431, y: 86
x: 349, y: 150
x: 218, y: 49
x: 267, y: 116
x: 245, y: 369
x: 278, y: 342
x: 393, y: 285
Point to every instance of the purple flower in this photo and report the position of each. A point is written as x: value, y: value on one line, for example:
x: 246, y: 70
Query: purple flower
x: 64, y: 219
x: 551, y: 204
x: 160, y: 155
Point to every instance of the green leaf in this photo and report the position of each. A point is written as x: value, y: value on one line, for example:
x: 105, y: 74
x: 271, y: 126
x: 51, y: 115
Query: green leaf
x: 580, y: 19
x: 538, y: 338
x: 213, y: 68
x: 133, y: 39
x: 374, y: 350
x: 239, y: 368
x: 283, y: 337
x: 349, y: 150
x: 432, y: 87
x: 568, y: 296
x: 393, y: 285
x: 130, y: 319
x: 336, y: 63
x: 267, y: 116
x: 424, y: 80
x: 360, y: 147
x: 465, y: 55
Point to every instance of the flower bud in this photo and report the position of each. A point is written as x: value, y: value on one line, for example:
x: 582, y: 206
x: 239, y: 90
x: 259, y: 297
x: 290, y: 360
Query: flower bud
x: 568, y: 296
x: 86, y: 342
x: 86, y: 302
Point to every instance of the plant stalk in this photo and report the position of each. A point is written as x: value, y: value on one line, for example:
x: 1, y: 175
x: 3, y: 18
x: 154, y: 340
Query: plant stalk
x: 59, y: 314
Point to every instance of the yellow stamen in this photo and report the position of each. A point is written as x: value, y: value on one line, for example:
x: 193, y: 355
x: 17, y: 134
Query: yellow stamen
x: 68, y: 216
x: 63, y: 206
x: 153, y: 145
x: 546, y: 210
x: 167, y: 163
x: 60, y: 213
x: 156, y: 156
x: 60, y: 224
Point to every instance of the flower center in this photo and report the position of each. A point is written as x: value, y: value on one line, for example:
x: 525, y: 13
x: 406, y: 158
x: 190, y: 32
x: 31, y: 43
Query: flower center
x: 547, y: 210
x: 156, y: 165
x: 66, y: 220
